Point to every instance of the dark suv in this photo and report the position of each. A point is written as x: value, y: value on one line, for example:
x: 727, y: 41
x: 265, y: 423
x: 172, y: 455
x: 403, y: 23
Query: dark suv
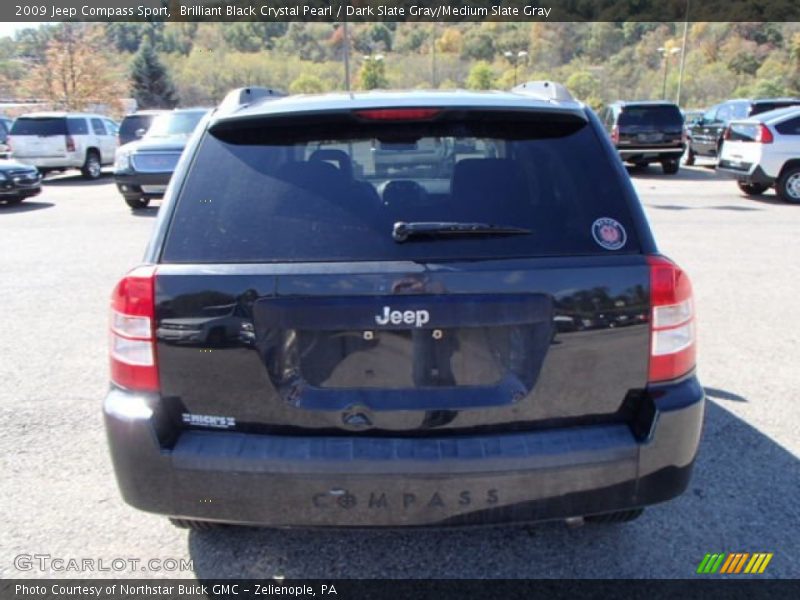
x: 311, y: 342
x: 142, y: 169
x: 647, y: 132
x: 706, y: 134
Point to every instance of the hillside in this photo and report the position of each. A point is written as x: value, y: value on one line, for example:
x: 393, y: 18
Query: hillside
x: 599, y: 62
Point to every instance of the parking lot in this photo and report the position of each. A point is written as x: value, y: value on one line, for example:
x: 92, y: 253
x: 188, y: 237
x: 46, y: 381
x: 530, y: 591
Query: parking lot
x: 62, y: 252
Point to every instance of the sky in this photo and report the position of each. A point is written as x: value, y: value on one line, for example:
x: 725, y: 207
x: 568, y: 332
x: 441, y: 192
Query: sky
x: 8, y: 29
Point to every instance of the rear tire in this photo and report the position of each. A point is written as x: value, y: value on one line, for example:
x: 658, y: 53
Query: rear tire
x: 136, y: 202
x: 788, y: 185
x: 92, y: 169
x: 752, y: 189
x: 194, y: 524
x: 671, y: 167
x: 622, y: 516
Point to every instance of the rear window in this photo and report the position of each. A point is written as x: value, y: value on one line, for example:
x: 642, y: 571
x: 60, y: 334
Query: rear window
x: 743, y: 132
x: 651, y: 115
x: 133, y: 123
x: 761, y: 107
x: 37, y: 126
x: 332, y: 190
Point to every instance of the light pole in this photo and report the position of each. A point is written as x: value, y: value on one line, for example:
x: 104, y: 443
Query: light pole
x: 514, y: 60
x: 683, y: 53
x: 666, y: 53
x: 346, y: 40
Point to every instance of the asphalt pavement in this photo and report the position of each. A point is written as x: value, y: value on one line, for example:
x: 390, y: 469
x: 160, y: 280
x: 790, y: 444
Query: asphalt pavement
x: 62, y: 252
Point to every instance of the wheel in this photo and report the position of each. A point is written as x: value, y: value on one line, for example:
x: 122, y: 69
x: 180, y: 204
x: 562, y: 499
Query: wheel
x: 622, y: 516
x: 689, y: 157
x: 788, y: 185
x: 137, y: 201
x: 752, y: 189
x: 194, y: 524
x: 91, y: 168
x: 670, y: 167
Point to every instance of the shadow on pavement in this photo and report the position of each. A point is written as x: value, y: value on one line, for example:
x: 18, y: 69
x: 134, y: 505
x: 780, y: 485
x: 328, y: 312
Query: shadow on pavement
x: 742, y: 498
x: 74, y: 178
x: 24, y: 206
x: 684, y: 207
x: 723, y: 395
x: 684, y: 174
x: 150, y: 211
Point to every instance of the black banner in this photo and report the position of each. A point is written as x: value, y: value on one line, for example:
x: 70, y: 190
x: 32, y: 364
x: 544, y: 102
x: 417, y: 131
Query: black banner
x: 389, y: 589
x: 399, y: 10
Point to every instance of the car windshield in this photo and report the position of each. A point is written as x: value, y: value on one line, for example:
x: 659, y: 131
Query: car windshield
x: 175, y: 124
x: 341, y: 186
x: 133, y: 123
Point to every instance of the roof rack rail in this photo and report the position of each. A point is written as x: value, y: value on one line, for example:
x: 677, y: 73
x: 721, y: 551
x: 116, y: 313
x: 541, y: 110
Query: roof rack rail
x: 547, y: 90
x: 247, y: 95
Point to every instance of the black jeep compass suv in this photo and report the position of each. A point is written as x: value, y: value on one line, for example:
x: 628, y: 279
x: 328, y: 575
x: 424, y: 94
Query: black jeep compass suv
x: 314, y: 341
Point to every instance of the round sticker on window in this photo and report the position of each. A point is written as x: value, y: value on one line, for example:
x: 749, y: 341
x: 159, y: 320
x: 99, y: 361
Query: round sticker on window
x: 609, y: 234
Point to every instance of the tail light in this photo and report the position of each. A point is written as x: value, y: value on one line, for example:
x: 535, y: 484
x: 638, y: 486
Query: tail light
x: 615, y: 134
x: 672, y: 327
x: 398, y: 114
x: 132, y: 340
x: 70, y: 142
x: 727, y: 134
x: 764, y: 135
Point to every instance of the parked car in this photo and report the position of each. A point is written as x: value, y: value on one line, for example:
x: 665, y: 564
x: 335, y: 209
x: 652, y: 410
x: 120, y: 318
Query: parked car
x: 135, y: 125
x: 406, y: 156
x: 143, y: 169
x: 56, y: 141
x: 705, y: 136
x: 5, y: 128
x: 763, y: 152
x: 394, y: 363
x: 646, y: 132
x: 18, y: 181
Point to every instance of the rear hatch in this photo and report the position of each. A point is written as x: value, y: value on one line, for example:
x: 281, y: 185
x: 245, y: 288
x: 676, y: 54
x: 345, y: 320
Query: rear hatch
x: 650, y: 126
x: 43, y: 137
x: 306, y: 290
x: 742, y: 146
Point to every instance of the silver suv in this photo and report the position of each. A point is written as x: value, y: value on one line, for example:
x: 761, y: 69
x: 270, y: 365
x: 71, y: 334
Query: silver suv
x: 763, y: 152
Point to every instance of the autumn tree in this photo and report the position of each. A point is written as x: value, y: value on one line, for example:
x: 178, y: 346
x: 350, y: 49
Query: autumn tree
x: 75, y: 72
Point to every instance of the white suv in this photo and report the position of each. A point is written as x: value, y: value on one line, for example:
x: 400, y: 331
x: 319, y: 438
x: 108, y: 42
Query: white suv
x: 764, y: 151
x: 55, y: 141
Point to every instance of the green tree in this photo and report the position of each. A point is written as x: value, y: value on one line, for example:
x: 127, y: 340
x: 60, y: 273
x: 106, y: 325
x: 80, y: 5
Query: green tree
x: 307, y: 84
x: 481, y: 76
x: 373, y: 74
x: 151, y: 84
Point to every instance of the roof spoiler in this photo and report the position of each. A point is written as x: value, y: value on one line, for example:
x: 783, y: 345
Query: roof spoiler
x: 246, y: 96
x: 546, y: 90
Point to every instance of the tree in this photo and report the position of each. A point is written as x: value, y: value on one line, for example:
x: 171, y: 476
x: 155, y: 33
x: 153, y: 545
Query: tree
x: 75, y: 72
x: 373, y: 74
x: 481, y: 76
x: 307, y: 84
x: 151, y: 84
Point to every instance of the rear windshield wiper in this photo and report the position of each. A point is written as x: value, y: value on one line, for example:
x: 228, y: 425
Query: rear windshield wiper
x: 403, y: 231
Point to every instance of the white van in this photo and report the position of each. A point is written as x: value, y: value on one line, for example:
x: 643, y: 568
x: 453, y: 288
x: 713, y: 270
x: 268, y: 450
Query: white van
x: 54, y: 141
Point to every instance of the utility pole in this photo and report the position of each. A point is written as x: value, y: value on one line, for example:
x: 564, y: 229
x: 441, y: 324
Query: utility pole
x: 683, y: 53
x: 433, y: 57
x: 666, y: 53
x: 346, y: 38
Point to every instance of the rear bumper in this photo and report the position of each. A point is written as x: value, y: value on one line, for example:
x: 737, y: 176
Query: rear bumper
x: 653, y: 154
x: 745, y: 172
x: 372, y: 481
x: 52, y: 162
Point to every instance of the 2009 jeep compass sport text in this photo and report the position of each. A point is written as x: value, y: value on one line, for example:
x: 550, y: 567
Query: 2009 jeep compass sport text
x: 489, y: 336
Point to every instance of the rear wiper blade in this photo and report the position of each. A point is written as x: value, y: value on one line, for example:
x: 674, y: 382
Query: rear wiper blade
x: 402, y: 231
